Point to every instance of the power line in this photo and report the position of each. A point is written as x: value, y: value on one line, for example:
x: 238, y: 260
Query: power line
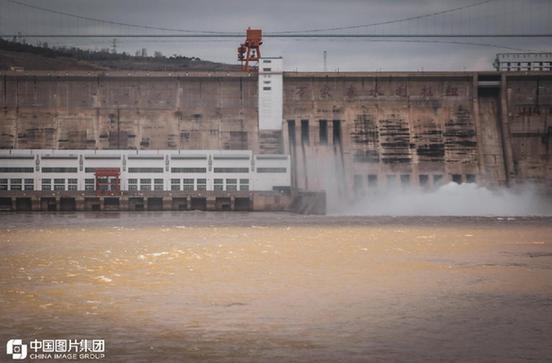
x: 279, y: 35
x: 401, y: 20
x: 486, y: 45
x: 149, y: 27
x: 52, y: 11
x: 414, y: 41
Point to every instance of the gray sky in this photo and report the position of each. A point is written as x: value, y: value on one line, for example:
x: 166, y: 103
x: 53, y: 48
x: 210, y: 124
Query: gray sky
x: 500, y: 16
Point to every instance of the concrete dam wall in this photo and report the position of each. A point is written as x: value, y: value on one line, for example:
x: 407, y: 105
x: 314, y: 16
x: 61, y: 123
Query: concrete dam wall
x: 349, y: 131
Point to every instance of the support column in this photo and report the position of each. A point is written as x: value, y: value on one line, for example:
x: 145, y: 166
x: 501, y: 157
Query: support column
x: 35, y: 204
x: 123, y: 202
x: 211, y: 203
x: 167, y: 203
x: 79, y: 203
x: 505, y: 132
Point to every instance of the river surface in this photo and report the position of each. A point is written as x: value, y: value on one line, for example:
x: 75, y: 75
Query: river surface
x: 276, y: 287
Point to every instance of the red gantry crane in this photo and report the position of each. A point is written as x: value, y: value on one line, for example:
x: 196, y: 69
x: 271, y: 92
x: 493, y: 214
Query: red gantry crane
x: 250, y: 51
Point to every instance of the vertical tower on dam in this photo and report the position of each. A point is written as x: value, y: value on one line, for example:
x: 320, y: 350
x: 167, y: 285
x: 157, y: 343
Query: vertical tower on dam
x: 270, y: 104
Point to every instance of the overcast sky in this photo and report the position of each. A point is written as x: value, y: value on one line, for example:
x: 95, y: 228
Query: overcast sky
x: 498, y: 16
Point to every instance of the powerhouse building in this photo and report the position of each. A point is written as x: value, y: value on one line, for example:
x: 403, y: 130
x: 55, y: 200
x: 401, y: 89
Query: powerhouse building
x: 142, y: 170
x: 38, y: 179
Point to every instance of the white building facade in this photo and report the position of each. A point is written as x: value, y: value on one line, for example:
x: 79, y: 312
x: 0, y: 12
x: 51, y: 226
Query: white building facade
x: 143, y: 170
x: 510, y: 62
x: 271, y: 93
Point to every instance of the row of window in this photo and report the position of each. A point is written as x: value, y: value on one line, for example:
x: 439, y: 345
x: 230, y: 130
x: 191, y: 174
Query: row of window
x: 59, y: 184
x: 142, y: 184
x: 16, y: 184
x: 188, y: 184
x: 231, y: 185
x: 102, y: 157
x: 145, y: 185
x: 148, y: 170
x: 423, y: 179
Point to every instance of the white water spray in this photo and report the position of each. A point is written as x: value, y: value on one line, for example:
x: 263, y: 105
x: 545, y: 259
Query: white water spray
x: 450, y: 200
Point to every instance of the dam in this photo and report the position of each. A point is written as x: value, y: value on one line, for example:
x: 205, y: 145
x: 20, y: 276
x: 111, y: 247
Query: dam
x: 349, y: 131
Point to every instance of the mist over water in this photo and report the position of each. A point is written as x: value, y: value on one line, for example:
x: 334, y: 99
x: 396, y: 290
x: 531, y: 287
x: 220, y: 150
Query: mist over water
x: 449, y: 200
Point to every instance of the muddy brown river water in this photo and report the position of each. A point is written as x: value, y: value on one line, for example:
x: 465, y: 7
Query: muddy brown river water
x: 218, y: 287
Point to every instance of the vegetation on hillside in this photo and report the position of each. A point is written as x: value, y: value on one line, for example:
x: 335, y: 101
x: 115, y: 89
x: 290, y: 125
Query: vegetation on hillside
x: 44, y: 57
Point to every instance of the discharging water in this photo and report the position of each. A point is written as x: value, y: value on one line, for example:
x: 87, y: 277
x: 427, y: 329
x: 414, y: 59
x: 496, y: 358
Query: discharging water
x: 218, y: 287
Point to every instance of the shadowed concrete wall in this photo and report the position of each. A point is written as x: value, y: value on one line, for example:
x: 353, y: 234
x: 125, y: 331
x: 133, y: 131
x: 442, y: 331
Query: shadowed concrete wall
x: 346, y: 131
x: 141, y: 111
x: 529, y: 123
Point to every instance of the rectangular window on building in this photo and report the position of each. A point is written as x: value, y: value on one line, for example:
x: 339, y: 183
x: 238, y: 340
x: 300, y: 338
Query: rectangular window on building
x: 267, y: 88
x: 59, y: 184
x: 231, y: 185
x: 188, y: 170
x: 405, y: 180
x: 158, y: 185
x: 323, y: 133
x: 201, y: 184
x: 59, y: 170
x: 3, y: 184
x: 189, y: 157
x: 305, y: 132
x: 47, y: 184
x: 106, y: 157
x: 51, y: 157
x: 16, y: 170
x: 175, y: 185
x: 291, y: 132
x: 267, y: 69
x: 145, y: 185
x: 231, y: 157
x: 336, y: 132
x: 145, y: 158
x: 391, y: 180
x: 218, y: 185
x: 90, y: 184
x: 372, y: 180
x: 72, y: 184
x: 29, y: 185
x: 424, y: 180
x: 470, y: 178
x: 188, y: 185
x: 16, y: 184
x: 244, y: 185
x: 102, y: 184
x: 437, y: 179
x: 457, y: 178
x: 271, y: 170
x: 145, y: 170
x: 231, y: 170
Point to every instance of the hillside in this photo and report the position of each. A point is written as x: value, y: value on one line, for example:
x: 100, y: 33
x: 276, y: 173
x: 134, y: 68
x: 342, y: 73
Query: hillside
x: 30, y: 57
